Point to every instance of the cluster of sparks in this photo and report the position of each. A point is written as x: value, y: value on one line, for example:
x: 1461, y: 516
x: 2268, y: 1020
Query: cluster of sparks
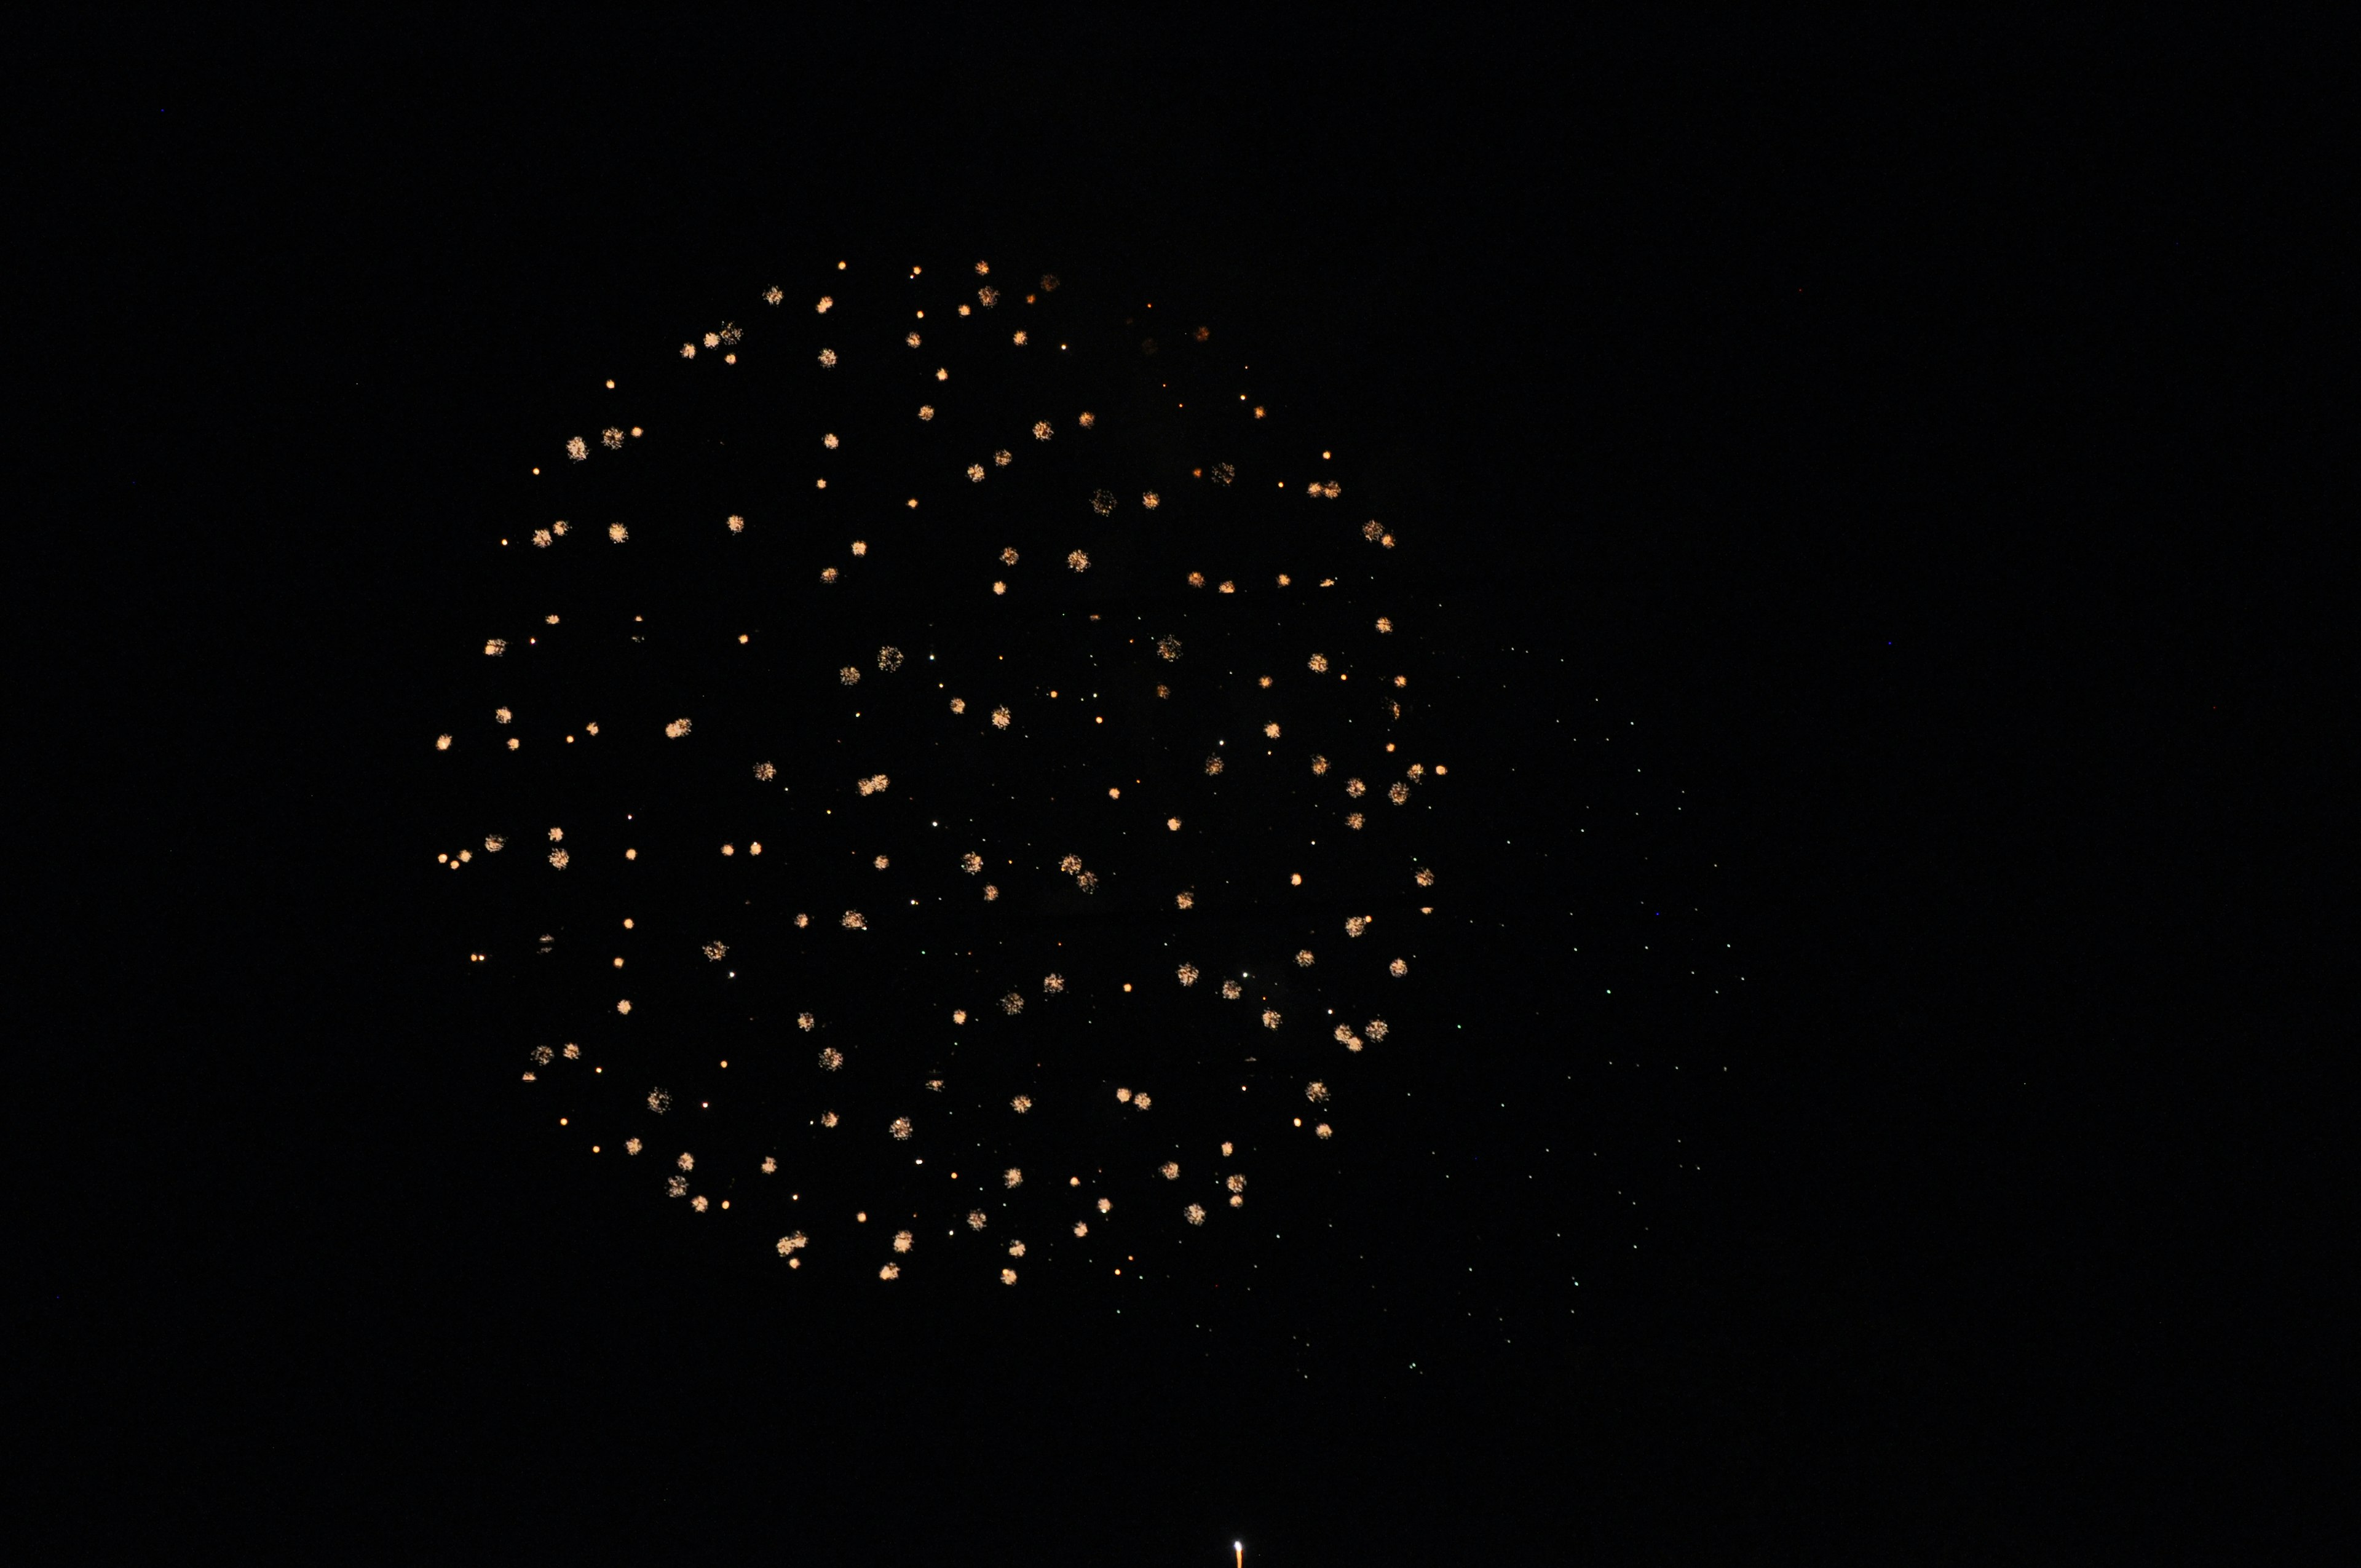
x: 1100, y: 682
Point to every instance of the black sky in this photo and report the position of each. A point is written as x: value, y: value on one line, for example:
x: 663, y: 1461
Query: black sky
x: 1896, y: 439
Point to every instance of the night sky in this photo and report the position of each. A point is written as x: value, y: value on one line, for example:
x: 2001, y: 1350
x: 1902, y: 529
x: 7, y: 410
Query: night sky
x: 1836, y: 701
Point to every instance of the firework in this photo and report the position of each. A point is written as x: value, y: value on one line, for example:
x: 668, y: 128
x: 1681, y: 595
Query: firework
x: 1097, y: 748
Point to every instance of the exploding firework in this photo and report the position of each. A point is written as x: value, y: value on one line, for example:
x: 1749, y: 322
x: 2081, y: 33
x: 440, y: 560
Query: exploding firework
x: 1117, y: 739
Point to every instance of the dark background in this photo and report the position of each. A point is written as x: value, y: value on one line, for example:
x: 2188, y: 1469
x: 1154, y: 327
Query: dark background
x: 1899, y: 438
